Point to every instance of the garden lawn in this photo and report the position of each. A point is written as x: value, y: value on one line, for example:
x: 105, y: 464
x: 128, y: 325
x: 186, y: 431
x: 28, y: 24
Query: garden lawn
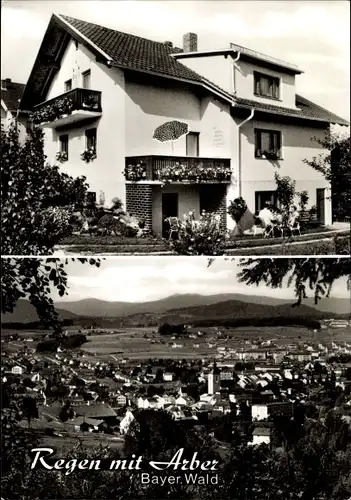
x: 320, y: 246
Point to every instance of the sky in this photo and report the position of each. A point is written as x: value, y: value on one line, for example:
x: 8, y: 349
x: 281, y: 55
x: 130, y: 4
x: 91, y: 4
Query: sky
x: 142, y: 279
x: 315, y: 35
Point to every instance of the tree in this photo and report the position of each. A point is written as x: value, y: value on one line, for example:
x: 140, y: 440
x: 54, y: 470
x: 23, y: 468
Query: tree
x: 335, y: 166
x: 285, y: 194
x: 316, y: 274
x: 37, y: 200
x: 35, y: 279
x: 29, y: 408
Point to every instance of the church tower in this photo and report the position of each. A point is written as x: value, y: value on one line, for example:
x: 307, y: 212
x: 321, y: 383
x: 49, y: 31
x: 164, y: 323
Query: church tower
x: 214, y: 380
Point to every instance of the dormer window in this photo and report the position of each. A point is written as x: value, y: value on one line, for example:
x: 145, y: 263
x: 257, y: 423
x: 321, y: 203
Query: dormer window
x: 266, y: 86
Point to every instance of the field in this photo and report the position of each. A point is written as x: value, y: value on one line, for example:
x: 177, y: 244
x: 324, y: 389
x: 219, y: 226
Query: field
x: 131, y: 344
x: 145, y: 343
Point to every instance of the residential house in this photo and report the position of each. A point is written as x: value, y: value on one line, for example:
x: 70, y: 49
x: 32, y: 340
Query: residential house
x: 99, y: 90
x: 11, y: 94
x: 168, y: 377
x: 85, y: 424
x: 18, y: 370
x: 259, y: 412
x: 97, y: 411
x: 261, y: 435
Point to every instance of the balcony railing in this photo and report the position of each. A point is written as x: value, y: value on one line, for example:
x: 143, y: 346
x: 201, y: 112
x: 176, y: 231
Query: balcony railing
x: 69, y: 107
x: 177, y: 169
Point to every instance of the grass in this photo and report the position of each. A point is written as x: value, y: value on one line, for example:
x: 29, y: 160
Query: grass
x: 87, y: 239
x: 309, y: 248
x: 245, y: 245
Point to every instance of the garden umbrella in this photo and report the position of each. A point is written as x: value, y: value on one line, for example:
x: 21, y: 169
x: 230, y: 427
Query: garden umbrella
x: 170, y: 131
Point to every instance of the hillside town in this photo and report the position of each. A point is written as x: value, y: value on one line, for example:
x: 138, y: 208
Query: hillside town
x: 74, y: 393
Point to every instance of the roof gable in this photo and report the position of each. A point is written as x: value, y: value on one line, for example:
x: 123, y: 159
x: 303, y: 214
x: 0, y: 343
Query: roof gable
x: 131, y: 52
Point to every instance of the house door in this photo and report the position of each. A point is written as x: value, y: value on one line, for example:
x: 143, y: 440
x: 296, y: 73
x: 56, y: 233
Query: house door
x: 320, y: 203
x: 169, y: 209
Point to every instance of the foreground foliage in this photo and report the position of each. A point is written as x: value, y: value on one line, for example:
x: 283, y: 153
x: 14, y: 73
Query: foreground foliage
x: 37, y: 200
x: 35, y: 279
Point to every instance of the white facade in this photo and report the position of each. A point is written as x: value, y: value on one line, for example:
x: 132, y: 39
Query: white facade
x: 259, y: 412
x: 132, y: 108
x: 214, y: 383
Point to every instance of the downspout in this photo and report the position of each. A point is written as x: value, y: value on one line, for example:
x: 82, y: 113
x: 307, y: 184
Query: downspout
x: 234, y: 61
x: 239, y: 148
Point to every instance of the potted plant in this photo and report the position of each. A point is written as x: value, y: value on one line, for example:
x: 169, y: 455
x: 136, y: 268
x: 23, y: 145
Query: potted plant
x: 236, y: 210
x: 90, y: 102
x: 270, y: 155
x: 88, y: 155
x: 61, y: 156
x: 135, y: 173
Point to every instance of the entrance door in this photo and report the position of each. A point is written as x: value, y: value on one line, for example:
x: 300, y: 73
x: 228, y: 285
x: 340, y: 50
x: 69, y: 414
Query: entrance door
x: 320, y: 203
x: 169, y: 209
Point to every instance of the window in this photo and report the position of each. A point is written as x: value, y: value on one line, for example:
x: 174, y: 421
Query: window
x: 90, y: 136
x: 86, y: 79
x: 192, y: 144
x: 267, y: 144
x: 68, y: 85
x: 64, y: 144
x: 266, y: 86
x: 263, y: 197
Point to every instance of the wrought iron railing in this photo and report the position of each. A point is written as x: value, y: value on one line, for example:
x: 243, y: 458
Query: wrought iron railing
x: 64, y: 104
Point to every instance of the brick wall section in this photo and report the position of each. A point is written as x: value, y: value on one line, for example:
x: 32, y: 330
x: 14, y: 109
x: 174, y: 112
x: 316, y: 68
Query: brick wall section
x: 139, y: 202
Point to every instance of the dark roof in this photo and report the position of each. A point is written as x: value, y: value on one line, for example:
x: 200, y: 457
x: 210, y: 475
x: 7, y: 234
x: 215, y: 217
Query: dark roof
x: 95, y: 411
x: 11, y: 93
x: 134, y: 52
x: 307, y: 109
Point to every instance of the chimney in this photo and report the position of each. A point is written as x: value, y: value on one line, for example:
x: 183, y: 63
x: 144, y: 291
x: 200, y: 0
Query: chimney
x: 190, y: 42
x: 4, y: 83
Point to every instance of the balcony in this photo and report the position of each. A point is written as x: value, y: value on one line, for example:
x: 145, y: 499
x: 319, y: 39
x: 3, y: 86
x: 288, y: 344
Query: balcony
x: 70, y: 107
x: 177, y: 170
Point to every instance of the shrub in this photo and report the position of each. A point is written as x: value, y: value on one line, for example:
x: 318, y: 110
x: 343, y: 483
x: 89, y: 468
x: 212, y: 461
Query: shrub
x: 237, y: 208
x: 37, y: 199
x: 199, y: 237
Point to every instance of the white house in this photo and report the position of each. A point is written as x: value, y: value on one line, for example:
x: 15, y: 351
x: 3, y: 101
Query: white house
x: 17, y: 370
x: 259, y: 412
x: 168, y: 377
x: 98, y: 91
x: 261, y: 435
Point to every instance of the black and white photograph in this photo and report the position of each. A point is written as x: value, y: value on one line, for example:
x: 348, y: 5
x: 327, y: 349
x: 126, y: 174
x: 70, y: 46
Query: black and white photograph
x: 176, y: 378
x: 175, y: 250
x: 175, y: 128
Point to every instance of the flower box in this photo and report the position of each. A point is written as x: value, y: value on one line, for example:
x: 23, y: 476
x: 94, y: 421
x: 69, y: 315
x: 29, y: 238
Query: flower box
x: 88, y: 155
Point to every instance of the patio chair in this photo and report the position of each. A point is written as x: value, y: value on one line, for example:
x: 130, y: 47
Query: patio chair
x: 267, y: 230
x: 173, y: 226
x: 294, y: 225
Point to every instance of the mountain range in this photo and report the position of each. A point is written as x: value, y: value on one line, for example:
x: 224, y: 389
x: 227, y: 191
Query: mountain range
x: 182, y: 308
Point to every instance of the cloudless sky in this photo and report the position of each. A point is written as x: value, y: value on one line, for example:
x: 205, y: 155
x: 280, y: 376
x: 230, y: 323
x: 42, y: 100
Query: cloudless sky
x: 315, y: 35
x: 134, y: 279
